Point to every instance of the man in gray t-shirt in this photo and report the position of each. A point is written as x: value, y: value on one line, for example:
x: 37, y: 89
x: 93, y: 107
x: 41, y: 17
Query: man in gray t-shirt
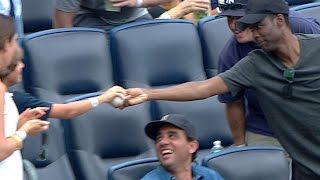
x: 103, y: 14
x: 285, y: 74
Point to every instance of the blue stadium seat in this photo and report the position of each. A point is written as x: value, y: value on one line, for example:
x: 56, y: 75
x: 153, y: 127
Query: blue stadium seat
x: 135, y: 169
x: 66, y: 62
x: 105, y: 137
x: 311, y: 9
x: 250, y: 163
x: 214, y: 33
x: 161, y: 53
x: 37, y: 15
x: 60, y: 64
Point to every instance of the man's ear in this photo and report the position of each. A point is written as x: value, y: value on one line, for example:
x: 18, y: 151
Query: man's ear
x: 194, y: 145
x: 280, y: 20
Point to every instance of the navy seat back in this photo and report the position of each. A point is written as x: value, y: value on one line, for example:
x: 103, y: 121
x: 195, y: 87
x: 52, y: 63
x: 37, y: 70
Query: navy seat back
x: 66, y: 62
x: 162, y: 53
x: 59, y: 64
x: 105, y: 137
x: 135, y: 169
x: 152, y: 52
x: 249, y: 163
x: 311, y: 9
x: 214, y: 33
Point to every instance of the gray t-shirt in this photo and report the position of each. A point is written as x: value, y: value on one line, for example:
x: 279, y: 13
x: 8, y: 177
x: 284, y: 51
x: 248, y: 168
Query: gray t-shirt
x: 100, y: 8
x: 295, y: 121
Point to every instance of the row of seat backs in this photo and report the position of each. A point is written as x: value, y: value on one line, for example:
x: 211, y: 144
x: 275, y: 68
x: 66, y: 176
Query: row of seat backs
x: 212, y: 30
x: 70, y: 62
x: 244, y: 163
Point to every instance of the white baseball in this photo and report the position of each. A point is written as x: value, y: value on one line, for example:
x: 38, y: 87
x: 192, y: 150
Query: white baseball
x: 117, y: 101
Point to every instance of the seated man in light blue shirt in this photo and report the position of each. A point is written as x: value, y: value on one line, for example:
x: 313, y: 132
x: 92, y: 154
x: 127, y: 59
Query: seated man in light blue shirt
x: 176, y: 147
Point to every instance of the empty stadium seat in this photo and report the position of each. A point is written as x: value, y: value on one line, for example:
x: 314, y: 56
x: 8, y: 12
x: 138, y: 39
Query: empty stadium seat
x: 135, y: 169
x: 37, y: 15
x: 66, y: 62
x: 311, y: 9
x: 214, y: 33
x: 60, y: 64
x: 250, y: 163
x: 161, y: 53
x: 105, y: 137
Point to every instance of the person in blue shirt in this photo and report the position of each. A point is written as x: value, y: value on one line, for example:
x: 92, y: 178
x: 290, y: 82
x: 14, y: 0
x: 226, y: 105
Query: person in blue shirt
x: 246, y: 118
x: 176, y: 147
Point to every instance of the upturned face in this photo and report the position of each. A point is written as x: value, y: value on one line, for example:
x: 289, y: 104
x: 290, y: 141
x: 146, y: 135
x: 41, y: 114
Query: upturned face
x: 173, y: 149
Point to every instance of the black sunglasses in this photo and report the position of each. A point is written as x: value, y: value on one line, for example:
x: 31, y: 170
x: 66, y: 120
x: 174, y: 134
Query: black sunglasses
x: 288, y: 74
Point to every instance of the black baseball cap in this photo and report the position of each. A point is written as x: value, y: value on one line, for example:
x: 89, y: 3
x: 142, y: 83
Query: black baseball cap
x: 259, y: 9
x: 177, y: 120
x: 232, y: 7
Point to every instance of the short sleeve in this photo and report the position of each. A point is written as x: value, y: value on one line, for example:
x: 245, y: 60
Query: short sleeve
x: 240, y: 76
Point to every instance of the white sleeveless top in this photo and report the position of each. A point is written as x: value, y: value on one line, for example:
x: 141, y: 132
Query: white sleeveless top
x: 11, y: 168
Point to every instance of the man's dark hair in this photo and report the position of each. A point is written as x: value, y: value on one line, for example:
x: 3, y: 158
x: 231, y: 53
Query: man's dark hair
x: 194, y: 155
x: 7, y: 29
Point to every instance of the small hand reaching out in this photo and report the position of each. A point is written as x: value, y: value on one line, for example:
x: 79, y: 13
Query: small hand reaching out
x: 34, y: 126
x: 34, y: 113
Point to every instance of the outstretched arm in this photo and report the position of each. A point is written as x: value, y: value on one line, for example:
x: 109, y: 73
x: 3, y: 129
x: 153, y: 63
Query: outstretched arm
x: 73, y: 109
x: 184, y: 92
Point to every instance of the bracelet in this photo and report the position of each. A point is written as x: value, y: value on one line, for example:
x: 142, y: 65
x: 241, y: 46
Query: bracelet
x: 94, y: 102
x: 21, y: 134
x: 18, y: 141
x: 139, y: 3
